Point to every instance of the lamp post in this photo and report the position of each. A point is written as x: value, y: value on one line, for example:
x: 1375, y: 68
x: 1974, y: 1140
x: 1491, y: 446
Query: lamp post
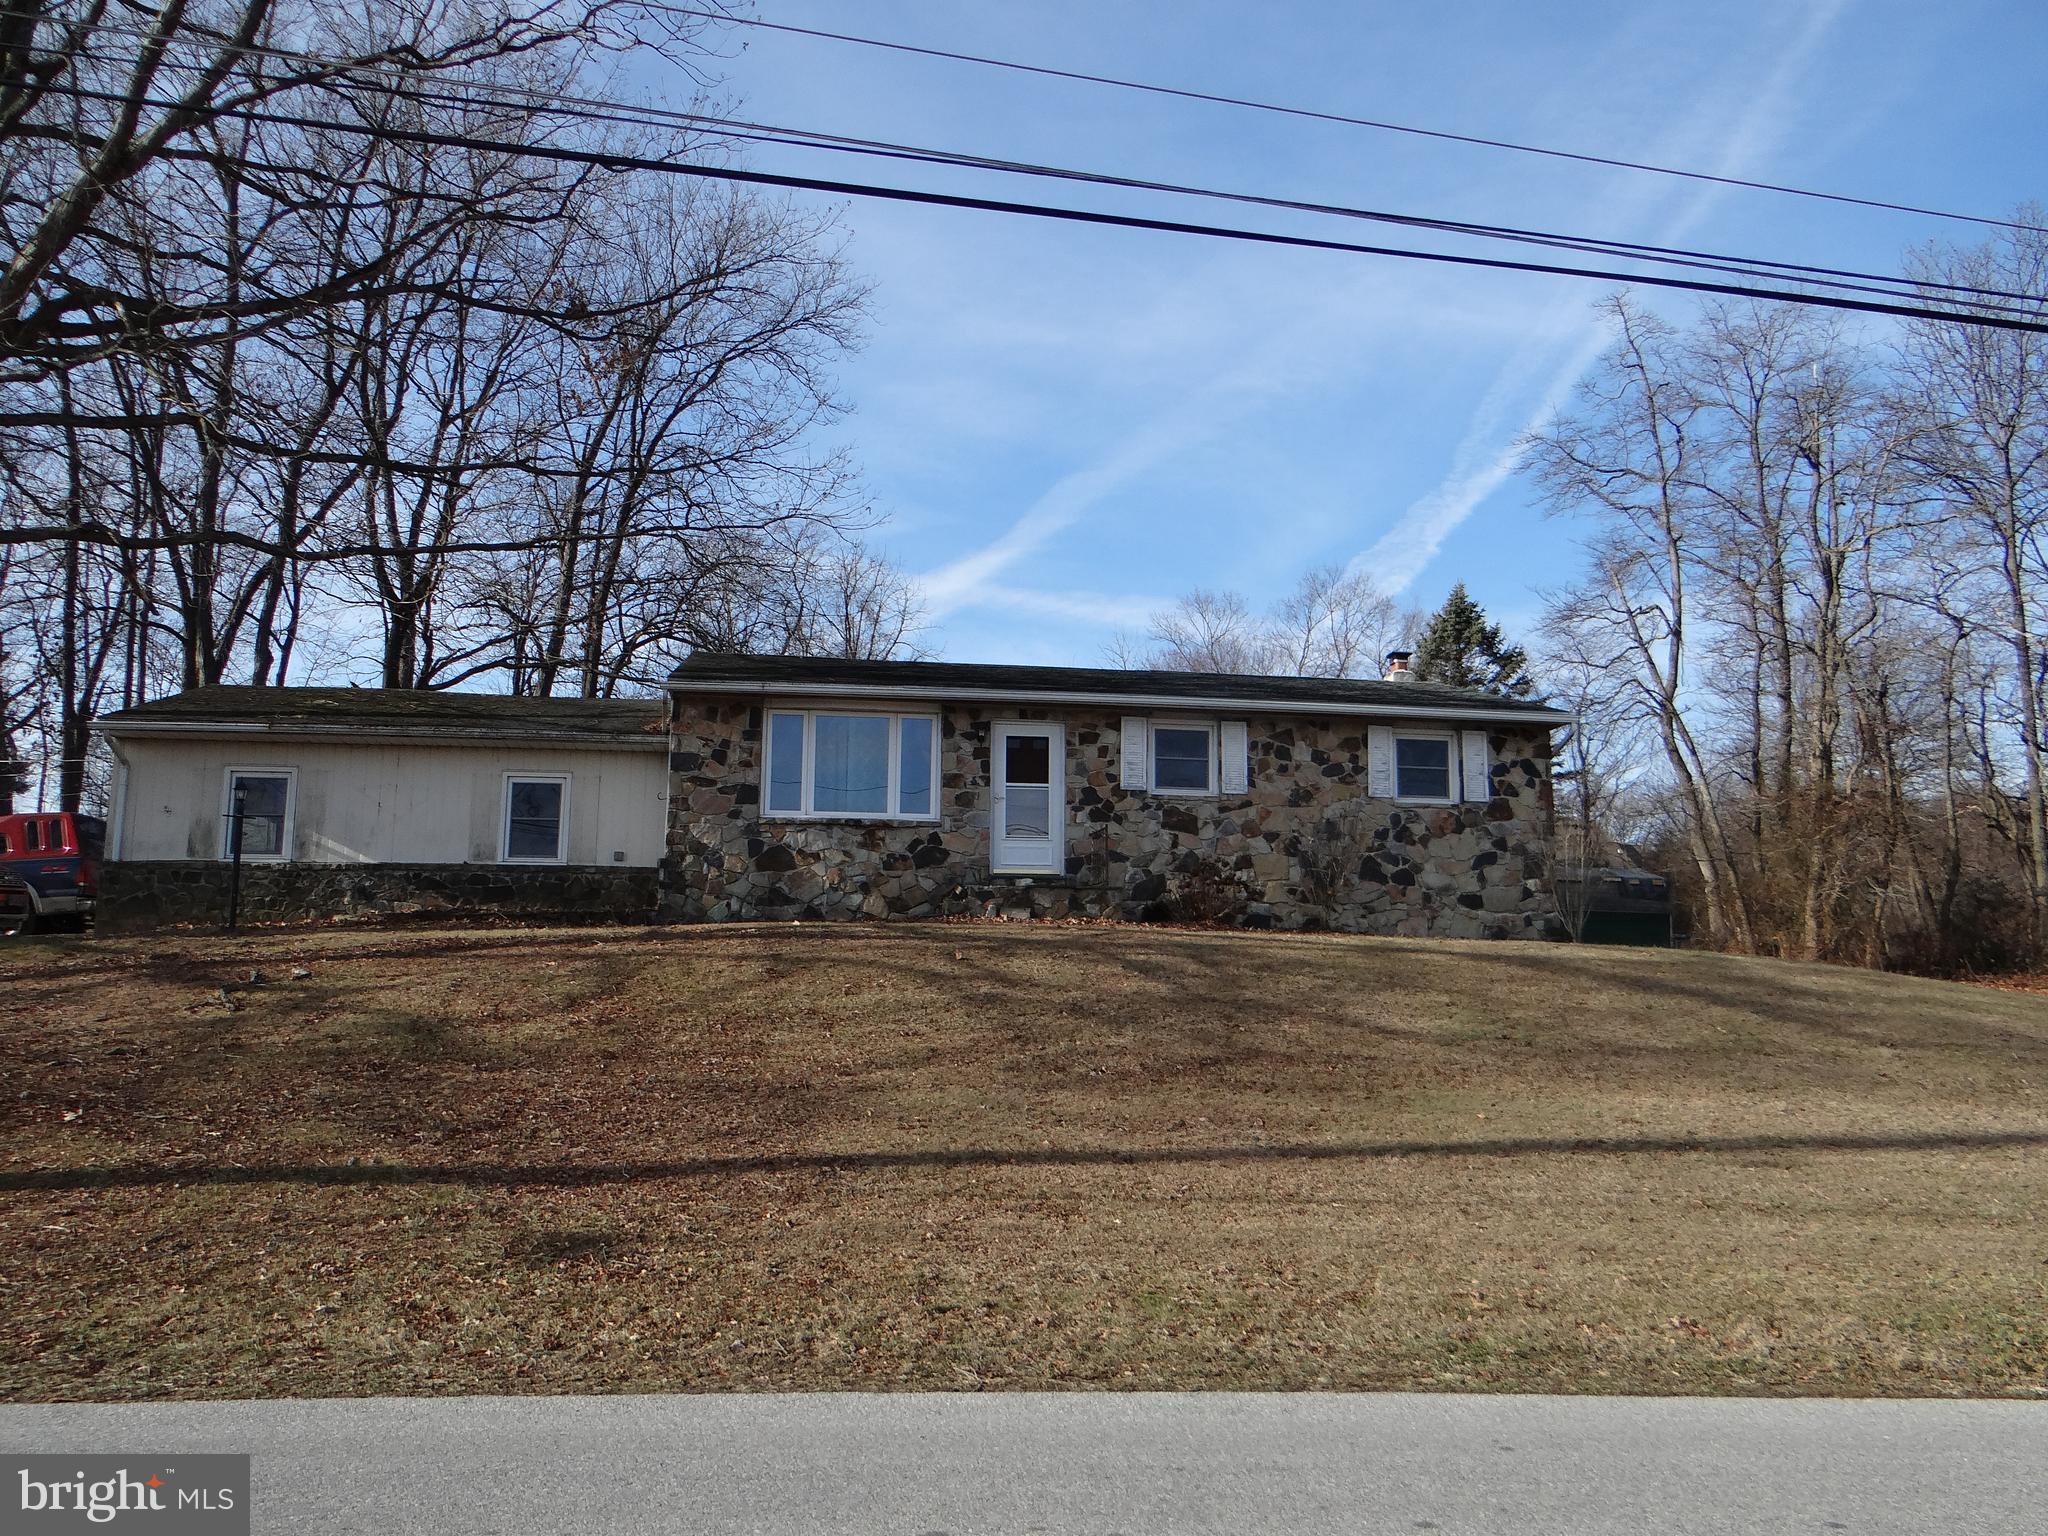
x: 241, y: 804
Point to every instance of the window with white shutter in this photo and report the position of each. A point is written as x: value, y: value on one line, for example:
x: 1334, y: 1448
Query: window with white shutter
x: 1183, y: 757
x: 1478, y: 766
x: 1379, y: 761
x: 1426, y: 767
x: 1178, y: 757
x: 1234, y: 748
x: 1136, y: 774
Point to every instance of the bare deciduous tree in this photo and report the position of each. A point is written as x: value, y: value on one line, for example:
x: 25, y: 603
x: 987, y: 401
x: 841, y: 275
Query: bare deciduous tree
x: 1332, y: 623
x: 305, y: 360
x: 1336, y: 623
x: 101, y: 104
x: 1979, y: 407
x: 1626, y: 457
x: 1812, y: 570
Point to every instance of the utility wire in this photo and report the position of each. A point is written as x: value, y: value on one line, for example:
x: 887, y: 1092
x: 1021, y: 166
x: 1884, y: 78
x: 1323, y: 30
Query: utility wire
x: 614, y: 160
x: 1338, y: 117
x: 600, y: 109
x: 1845, y: 280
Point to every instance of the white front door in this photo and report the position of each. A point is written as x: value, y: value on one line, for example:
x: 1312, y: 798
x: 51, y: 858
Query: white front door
x: 1028, y: 773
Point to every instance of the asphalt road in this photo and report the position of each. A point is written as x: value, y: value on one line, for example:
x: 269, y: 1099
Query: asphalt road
x: 1099, y: 1463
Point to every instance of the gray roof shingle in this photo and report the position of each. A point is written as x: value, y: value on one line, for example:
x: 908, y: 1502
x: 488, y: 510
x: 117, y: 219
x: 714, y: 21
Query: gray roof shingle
x: 385, y: 710
x: 915, y: 677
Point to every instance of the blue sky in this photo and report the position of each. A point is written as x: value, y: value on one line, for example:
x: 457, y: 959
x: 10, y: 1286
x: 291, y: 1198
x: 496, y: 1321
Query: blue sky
x: 1065, y: 427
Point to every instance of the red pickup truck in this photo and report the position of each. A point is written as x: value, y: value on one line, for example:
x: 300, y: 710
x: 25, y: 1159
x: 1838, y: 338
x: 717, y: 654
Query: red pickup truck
x: 49, y: 867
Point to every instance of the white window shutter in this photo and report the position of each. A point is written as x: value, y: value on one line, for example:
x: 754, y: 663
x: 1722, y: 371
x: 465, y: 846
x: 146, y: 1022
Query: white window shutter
x: 1134, y: 742
x: 1379, y: 761
x: 1478, y: 767
x: 1234, y: 741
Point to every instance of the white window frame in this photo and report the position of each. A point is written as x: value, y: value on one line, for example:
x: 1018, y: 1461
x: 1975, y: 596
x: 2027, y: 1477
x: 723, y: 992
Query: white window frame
x: 533, y: 776
x: 1451, y: 759
x: 1214, y: 732
x: 807, y: 788
x: 288, y: 840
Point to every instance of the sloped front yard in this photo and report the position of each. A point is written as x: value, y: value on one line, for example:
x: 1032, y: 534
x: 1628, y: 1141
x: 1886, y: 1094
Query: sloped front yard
x: 1004, y: 1156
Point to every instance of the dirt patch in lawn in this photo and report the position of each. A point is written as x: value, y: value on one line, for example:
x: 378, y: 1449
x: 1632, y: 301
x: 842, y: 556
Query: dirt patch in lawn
x: 421, y: 1161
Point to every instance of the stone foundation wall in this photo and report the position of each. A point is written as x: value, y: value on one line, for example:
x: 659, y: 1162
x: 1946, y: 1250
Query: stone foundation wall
x: 1305, y: 846
x: 138, y: 896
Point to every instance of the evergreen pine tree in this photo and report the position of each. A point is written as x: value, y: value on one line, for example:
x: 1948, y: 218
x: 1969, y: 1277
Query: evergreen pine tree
x: 1459, y: 647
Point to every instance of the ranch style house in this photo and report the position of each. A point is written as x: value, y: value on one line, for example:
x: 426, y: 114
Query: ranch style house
x: 808, y: 787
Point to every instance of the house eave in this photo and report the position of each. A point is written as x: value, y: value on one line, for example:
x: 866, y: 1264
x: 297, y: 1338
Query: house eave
x: 391, y: 735
x: 793, y: 689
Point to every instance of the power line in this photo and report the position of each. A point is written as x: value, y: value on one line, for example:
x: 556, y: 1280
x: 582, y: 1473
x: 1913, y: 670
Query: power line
x: 617, y: 161
x: 1848, y: 279
x: 1248, y: 104
x: 600, y: 109
x: 1845, y: 279
x: 611, y: 110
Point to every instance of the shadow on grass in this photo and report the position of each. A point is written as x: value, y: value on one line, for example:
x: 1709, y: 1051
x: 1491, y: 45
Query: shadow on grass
x: 578, y: 1175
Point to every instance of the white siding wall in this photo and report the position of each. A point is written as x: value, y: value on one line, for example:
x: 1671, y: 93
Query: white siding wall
x: 391, y: 804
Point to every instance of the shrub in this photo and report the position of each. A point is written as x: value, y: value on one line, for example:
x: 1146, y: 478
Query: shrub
x: 1328, y: 856
x: 1208, y: 892
x: 1990, y: 932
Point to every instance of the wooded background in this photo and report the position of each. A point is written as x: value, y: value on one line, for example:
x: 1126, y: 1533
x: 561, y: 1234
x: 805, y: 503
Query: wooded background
x: 1804, y: 650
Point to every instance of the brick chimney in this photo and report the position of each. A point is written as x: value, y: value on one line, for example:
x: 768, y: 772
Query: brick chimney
x: 1397, y: 667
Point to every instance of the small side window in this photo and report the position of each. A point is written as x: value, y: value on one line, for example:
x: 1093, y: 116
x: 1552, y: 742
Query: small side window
x: 1422, y: 767
x: 31, y: 837
x: 264, y: 799
x: 536, y: 819
x: 1183, y: 759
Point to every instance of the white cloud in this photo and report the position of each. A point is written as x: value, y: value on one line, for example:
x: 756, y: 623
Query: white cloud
x: 1268, y: 358
x: 1479, y: 466
x: 1107, y: 610
x: 1281, y: 341
x: 965, y: 580
x: 1485, y: 458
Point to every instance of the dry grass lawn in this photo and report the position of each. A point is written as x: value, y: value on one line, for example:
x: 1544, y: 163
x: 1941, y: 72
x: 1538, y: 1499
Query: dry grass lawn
x: 988, y: 1156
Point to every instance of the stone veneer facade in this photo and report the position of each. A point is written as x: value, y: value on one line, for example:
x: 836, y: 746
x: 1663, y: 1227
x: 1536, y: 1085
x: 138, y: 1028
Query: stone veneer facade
x: 137, y: 896
x: 1309, y: 846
